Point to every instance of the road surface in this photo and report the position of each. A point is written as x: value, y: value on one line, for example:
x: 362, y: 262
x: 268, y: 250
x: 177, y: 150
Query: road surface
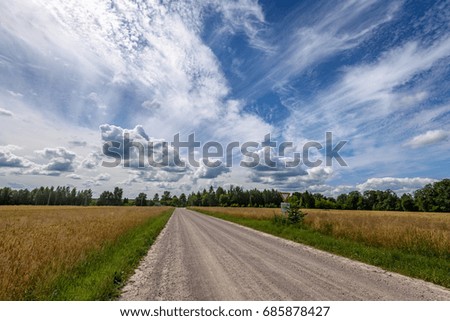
x: 198, y: 257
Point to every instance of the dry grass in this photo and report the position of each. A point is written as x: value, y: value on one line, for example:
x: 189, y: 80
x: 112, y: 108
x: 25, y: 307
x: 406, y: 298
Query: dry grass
x: 250, y: 212
x: 424, y: 233
x: 39, y: 243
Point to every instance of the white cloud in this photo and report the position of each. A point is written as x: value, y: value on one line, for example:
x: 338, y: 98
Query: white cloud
x: 98, y: 180
x: 151, y: 105
x: 96, y: 101
x: 104, y: 177
x: 398, y: 185
x: 92, y: 161
x: 74, y: 176
x: 429, y: 138
x: 78, y: 143
x: 153, y: 49
x: 14, y: 94
x: 148, y: 63
x: 246, y: 16
x: 209, y: 170
x: 39, y: 170
x: 308, y: 41
x: 293, y: 179
x: 377, y: 82
x: 153, y: 175
x: 368, y: 93
x: 376, y: 105
x: 8, y: 159
x: 5, y: 112
x: 60, y: 159
x: 112, y: 133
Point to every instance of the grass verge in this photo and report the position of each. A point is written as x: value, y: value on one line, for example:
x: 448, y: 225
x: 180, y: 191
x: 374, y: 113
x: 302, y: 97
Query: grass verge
x: 101, y: 275
x: 428, y: 268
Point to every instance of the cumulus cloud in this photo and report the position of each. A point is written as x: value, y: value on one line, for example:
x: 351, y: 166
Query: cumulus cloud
x: 98, y: 180
x: 429, y: 138
x: 209, y: 170
x: 154, y: 175
x: 315, y: 177
x: 144, y: 151
x: 60, y: 159
x: 8, y: 159
x: 280, y: 173
x: 398, y: 185
x: 112, y: 133
x: 315, y: 182
x: 290, y: 178
x: 159, y: 64
x: 60, y: 164
x: 92, y: 161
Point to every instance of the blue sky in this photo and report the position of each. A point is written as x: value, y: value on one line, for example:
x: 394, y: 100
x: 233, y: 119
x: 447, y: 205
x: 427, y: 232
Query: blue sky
x: 374, y: 73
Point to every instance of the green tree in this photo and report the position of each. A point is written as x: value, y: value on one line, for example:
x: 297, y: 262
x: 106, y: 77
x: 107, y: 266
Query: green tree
x: 434, y: 197
x: 295, y: 215
x: 224, y: 200
x: 118, y: 192
x: 166, y: 198
x: 182, y: 200
x: 141, y: 200
x: 407, y: 203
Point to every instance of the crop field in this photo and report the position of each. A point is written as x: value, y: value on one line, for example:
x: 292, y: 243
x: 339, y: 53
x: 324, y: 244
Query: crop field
x: 413, y: 243
x: 427, y: 233
x: 39, y: 244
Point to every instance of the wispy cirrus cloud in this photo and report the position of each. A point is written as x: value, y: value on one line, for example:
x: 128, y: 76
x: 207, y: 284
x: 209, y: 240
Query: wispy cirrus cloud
x: 306, y: 41
x: 367, y: 93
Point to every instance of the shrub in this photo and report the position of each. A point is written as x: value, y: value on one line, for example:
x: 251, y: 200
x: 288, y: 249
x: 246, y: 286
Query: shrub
x: 295, y: 215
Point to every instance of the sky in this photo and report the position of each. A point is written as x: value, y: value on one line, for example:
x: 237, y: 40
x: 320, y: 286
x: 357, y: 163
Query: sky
x: 75, y: 75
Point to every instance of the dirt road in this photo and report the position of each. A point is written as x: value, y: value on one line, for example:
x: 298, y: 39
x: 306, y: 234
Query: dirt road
x: 197, y: 257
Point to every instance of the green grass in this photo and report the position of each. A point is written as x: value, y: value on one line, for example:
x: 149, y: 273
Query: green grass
x: 432, y: 269
x: 104, y: 272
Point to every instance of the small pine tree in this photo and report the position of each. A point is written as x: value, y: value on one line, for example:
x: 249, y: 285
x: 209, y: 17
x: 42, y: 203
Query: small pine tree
x: 295, y: 215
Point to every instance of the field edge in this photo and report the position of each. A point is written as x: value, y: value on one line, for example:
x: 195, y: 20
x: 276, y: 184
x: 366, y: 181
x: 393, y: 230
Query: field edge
x: 103, y: 273
x: 429, y: 269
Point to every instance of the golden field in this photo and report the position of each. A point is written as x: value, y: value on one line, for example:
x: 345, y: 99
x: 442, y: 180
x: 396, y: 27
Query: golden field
x: 427, y: 233
x: 37, y: 243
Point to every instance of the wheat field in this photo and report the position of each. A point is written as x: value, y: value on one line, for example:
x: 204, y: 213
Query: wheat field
x: 39, y: 243
x: 424, y: 233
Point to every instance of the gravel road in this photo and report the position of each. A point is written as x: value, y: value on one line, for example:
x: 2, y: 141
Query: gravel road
x: 197, y: 257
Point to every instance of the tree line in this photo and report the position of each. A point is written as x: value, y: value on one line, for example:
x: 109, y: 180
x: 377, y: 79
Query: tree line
x: 46, y: 196
x: 431, y: 198
x: 234, y: 196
